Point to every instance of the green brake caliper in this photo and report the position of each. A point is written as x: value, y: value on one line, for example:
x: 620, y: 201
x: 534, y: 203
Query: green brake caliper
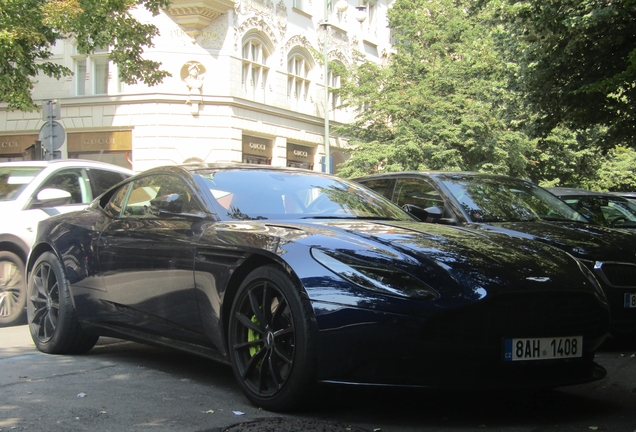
x: 252, y: 336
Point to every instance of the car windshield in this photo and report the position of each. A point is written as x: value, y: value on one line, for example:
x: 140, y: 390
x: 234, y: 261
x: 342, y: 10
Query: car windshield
x: 603, y: 210
x: 500, y: 199
x: 259, y: 194
x: 13, y: 180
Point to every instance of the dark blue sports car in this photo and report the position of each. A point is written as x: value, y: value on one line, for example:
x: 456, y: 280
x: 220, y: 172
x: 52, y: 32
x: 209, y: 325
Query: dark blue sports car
x: 297, y: 278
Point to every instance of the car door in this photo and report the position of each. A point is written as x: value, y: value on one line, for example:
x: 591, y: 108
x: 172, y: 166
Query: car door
x: 71, y: 180
x: 147, y: 260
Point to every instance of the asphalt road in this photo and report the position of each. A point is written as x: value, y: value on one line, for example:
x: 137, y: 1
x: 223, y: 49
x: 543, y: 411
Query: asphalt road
x: 124, y: 386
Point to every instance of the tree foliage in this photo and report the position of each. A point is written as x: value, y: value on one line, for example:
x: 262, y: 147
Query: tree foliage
x: 29, y: 29
x: 502, y: 86
x: 577, y: 62
x: 441, y: 102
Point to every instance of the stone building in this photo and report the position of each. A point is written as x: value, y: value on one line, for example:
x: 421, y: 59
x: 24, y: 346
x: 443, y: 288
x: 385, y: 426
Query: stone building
x: 247, y: 85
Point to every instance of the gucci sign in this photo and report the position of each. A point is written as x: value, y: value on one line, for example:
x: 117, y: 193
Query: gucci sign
x: 258, y: 146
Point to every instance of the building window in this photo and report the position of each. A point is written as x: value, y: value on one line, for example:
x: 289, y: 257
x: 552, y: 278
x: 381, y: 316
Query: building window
x: 298, y: 4
x: 370, y: 21
x: 333, y: 80
x: 94, y: 74
x: 80, y: 76
x: 298, y: 68
x: 255, y: 71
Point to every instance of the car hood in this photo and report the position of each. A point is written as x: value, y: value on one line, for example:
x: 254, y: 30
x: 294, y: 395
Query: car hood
x: 460, y: 261
x: 584, y: 241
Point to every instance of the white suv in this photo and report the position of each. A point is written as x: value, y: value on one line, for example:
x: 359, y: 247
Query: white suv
x: 31, y: 191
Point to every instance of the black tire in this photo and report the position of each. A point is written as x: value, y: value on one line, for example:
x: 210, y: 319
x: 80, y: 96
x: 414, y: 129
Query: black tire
x: 270, y: 343
x: 53, y: 322
x: 12, y: 289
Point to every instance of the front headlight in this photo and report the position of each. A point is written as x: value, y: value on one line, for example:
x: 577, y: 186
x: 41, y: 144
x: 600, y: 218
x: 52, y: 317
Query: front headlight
x: 590, y: 275
x: 373, y: 277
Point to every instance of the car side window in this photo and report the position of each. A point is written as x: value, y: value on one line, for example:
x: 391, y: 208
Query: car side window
x: 102, y: 180
x: 73, y: 181
x: 144, y: 190
x: 116, y: 202
x: 382, y: 186
x: 417, y: 192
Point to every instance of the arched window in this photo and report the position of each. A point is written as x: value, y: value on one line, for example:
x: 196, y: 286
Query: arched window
x: 298, y: 67
x: 255, y: 70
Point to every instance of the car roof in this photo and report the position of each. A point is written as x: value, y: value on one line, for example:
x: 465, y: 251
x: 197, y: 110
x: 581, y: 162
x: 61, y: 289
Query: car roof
x: 561, y: 191
x: 62, y: 163
x: 197, y: 166
x: 434, y: 173
x: 624, y: 194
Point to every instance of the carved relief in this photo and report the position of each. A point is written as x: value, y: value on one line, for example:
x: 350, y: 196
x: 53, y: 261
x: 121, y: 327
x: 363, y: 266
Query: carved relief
x: 293, y: 41
x: 265, y: 17
x: 254, y: 23
x: 281, y: 17
x: 213, y: 35
x: 192, y: 75
x: 264, y: 8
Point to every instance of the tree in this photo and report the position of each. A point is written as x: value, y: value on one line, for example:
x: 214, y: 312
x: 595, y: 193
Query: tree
x: 577, y: 62
x: 441, y: 102
x: 617, y: 171
x: 29, y: 28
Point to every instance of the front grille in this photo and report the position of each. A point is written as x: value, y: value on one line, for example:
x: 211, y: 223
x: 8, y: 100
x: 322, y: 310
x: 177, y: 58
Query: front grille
x: 519, y: 315
x: 617, y: 275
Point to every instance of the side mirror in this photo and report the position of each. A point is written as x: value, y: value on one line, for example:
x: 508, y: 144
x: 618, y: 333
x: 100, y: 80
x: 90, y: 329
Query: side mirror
x: 166, y: 204
x: 51, y: 197
x: 429, y: 214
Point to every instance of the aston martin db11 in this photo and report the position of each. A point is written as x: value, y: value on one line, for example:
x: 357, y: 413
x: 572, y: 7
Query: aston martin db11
x: 297, y: 278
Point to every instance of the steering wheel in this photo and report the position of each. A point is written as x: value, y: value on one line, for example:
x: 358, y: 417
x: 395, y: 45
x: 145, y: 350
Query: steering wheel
x: 618, y: 220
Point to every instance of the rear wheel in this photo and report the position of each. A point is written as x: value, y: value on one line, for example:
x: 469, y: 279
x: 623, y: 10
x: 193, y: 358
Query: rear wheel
x: 53, y: 322
x: 12, y: 289
x: 271, y: 348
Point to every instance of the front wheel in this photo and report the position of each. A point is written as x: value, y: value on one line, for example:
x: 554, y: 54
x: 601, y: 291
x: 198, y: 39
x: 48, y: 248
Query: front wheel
x: 53, y: 322
x: 270, y: 343
x: 12, y: 289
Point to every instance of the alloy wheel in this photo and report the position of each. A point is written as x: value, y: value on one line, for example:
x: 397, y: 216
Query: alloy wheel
x: 11, y: 288
x: 264, y: 338
x: 45, y: 301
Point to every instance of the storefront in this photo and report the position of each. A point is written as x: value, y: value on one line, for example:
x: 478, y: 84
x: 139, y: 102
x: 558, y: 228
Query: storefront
x: 15, y: 147
x: 114, y: 147
x: 300, y: 156
x: 257, y: 150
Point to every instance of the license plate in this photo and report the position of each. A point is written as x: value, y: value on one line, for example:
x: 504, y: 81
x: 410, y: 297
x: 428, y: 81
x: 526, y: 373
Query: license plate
x: 630, y: 301
x: 543, y: 348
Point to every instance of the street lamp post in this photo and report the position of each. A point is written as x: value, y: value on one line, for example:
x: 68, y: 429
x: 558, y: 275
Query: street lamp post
x: 326, y: 82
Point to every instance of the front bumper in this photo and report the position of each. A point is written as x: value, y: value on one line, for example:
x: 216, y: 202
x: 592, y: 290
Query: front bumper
x: 458, y: 348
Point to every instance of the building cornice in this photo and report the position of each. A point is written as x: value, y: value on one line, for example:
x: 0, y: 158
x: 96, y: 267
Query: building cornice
x: 195, y: 15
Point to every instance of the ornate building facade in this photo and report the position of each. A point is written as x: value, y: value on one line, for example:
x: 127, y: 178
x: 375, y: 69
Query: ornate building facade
x: 247, y: 84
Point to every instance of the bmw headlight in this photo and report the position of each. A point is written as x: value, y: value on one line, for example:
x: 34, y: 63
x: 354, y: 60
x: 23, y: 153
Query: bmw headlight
x: 373, y: 277
x: 588, y: 273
